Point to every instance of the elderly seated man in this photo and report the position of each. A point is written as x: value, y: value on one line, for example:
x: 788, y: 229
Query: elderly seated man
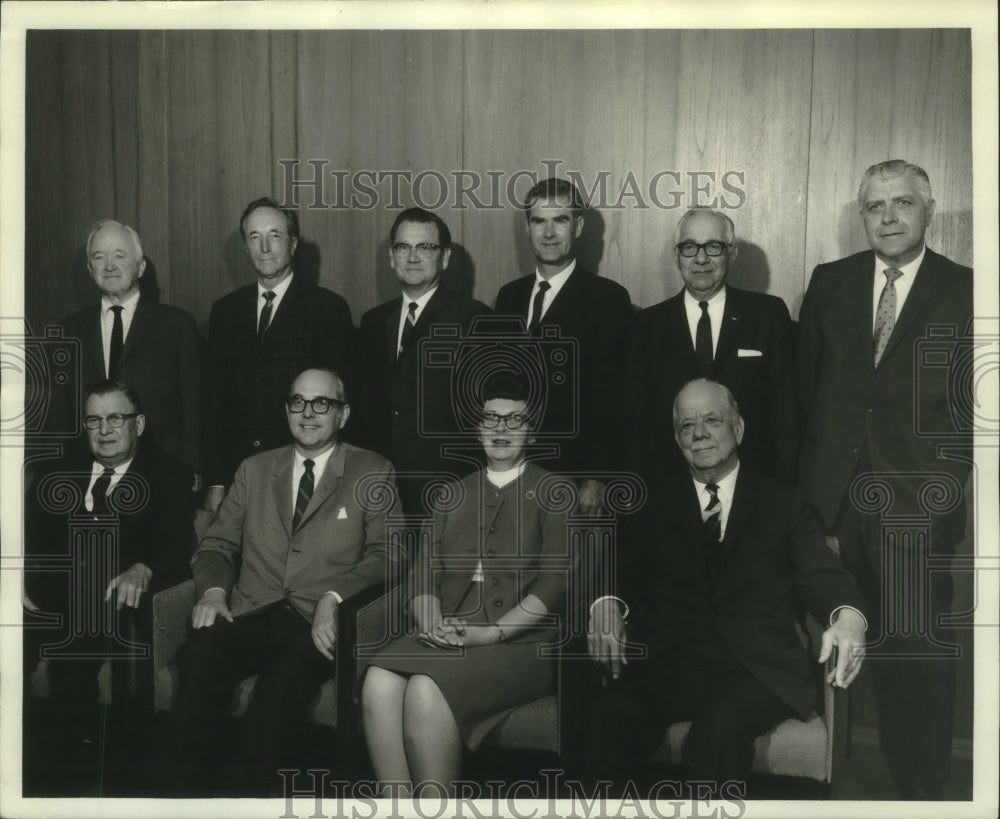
x: 714, y: 569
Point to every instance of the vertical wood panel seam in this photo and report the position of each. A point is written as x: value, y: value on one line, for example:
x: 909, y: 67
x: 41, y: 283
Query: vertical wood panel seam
x: 809, y: 136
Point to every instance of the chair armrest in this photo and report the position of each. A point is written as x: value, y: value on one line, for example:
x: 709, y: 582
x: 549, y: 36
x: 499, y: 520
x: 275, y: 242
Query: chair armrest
x: 171, y: 612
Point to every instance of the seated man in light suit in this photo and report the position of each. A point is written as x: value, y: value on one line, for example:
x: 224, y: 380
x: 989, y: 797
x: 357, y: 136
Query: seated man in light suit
x: 302, y: 528
x: 717, y: 565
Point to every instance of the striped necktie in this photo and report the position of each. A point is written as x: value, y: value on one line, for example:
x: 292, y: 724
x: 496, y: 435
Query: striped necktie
x: 304, y: 494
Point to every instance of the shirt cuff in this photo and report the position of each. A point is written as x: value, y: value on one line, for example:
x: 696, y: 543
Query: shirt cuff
x: 339, y: 598
x: 618, y: 600
x: 834, y: 614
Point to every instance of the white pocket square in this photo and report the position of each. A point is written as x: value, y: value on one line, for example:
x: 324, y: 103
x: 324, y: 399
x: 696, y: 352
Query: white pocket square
x: 342, y: 513
x: 741, y: 353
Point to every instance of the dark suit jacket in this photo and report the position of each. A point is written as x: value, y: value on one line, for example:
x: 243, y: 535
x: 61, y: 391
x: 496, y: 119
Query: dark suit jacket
x: 900, y: 411
x: 774, y: 561
x: 594, y: 315
x: 341, y: 544
x: 662, y: 359
x: 246, y: 388
x: 396, y: 394
x: 156, y: 529
x: 161, y: 362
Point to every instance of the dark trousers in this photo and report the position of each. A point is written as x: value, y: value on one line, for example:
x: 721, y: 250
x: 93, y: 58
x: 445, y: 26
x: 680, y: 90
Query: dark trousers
x: 727, y: 711
x: 910, y: 656
x: 274, y: 643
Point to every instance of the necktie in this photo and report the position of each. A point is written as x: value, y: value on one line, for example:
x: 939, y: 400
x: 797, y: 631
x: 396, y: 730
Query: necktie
x: 304, y: 494
x: 411, y: 320
x: 100, y: 491
x: 265, y: 316
x: 117, y: 341
x: 535, y: 328
x: 703, y: 340
x: 885, y: 313
x: 711, y: 521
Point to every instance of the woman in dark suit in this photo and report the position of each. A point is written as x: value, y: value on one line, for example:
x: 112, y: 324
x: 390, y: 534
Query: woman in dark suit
x: 481, y: 603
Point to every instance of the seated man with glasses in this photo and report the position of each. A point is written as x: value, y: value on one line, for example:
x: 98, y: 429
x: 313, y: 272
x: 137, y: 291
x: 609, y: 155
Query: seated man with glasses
x: 400, y: 400
x: 103, y: 532
x: 302, y: 528
x: 713, y: 330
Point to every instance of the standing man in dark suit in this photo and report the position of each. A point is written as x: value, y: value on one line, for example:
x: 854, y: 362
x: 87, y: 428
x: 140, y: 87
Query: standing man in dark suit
x: 302, y: 528
x: 875, y: 410
x: 406, y: 409
x: 150, y: 347
x: 713, y: 330
x: 259, y: 337
x: 594, y: 313
x: 123, y: 513
x: 722, y: 557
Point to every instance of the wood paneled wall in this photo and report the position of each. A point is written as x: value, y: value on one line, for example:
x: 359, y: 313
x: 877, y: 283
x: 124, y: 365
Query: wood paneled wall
x: 174, y: 132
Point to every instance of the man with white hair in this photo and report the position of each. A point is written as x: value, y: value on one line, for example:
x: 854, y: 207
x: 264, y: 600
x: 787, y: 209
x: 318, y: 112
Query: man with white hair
x: 128, y: 337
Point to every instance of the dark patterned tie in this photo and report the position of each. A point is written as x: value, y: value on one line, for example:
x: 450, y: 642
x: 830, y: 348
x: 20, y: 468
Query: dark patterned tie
x: 117, y: 342
x: 304, y: 494
x: 100, y: 491
x: 265, y: 316
x: 535, y: 328
x: 408, y: 325
x: 711, y: 518
x: 885, y: 313
x: 703, y: 340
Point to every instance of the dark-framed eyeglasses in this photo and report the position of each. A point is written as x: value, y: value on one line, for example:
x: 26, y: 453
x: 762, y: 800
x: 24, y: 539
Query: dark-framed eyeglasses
x: 690, y: 249
x: 512, y: 420
x: 320, y: 405
x: 116, y: 420
x: 424, y: 249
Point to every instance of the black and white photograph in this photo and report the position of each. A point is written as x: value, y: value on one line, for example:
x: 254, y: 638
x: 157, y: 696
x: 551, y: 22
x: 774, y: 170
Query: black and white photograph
x: 537, y: 409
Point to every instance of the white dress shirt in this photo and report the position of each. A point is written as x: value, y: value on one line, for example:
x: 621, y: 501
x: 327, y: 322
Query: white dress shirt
x: 903, y: 283
x: 556, y: 283
x: 96, y: 470
x: 716, y: 309
x: 404, y: 311
x: 279, y: 291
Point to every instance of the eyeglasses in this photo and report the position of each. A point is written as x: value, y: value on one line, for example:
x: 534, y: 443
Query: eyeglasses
x: 321, y: 405
x: 512, y: 420
x: 690, y: 249
x: 424, y: 249
x: 116, y: 420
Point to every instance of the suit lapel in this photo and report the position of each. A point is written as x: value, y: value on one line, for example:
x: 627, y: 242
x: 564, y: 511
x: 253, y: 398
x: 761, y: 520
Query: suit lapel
x: 564, y: 305
x: 863, y: 310
x: 281, y: 484
x: 93, y: 343
x: 680, y: 334
x: 141, y: 322
x: 427, y: 317
x: 745, y: 498
x: 283, y: 317
x: 730, y: 325
x: 392, y: 331
x: 327, y: 484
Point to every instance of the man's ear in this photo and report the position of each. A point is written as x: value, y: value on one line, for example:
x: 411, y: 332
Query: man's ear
x: 738, y: 427
x: 344, y: 415
x: 140, y: 424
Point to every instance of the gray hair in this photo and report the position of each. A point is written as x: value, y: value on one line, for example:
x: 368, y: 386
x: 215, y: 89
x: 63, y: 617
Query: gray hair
x: 728, y: 226
x: 136, y: 242
x: 893, y: 169
x: 732, y: 408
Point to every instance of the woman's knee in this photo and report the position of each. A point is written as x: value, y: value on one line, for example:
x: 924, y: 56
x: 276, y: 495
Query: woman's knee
x: 381, y: 689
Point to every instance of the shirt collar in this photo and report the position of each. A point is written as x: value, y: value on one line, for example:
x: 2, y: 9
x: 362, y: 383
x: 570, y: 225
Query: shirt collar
x: 279, y: 290
x: 557, y: 280
x: 909, y: 269
x: 720, y: 295
x: 421, y: 301
x: 128, y: 304
x: 319, y: 461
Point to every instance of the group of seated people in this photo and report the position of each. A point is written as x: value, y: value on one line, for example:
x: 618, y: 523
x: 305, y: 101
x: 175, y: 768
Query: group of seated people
x: 308, y: 445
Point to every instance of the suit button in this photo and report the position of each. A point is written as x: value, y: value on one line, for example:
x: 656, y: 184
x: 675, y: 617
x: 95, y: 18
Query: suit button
x: 856, y: 450
x: 498, y: 602
x: 256, y: 377
x: 496, y: 581
x: 255, y: 444
x: 395, y: 412
x: 286, y: 592
x: 871, y: 409
x: 493, y: 530
x: 490, y: 553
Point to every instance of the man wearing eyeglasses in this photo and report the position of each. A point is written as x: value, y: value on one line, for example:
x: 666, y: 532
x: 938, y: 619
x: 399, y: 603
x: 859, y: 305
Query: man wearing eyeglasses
x: 141, y: 496
x: 407, y: 410
x: 259, y: 337
x: 302, y: 528
x: 712, y: 330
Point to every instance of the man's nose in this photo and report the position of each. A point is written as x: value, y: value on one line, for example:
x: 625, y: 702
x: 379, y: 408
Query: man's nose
x: 412, y: 255
x: 265, y: 244
x: 307, y: 410
x: 701, y: 256
x: 105, y: 426
x: 699, y: 429
x: 889, y: 214
x: 550, y: 229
